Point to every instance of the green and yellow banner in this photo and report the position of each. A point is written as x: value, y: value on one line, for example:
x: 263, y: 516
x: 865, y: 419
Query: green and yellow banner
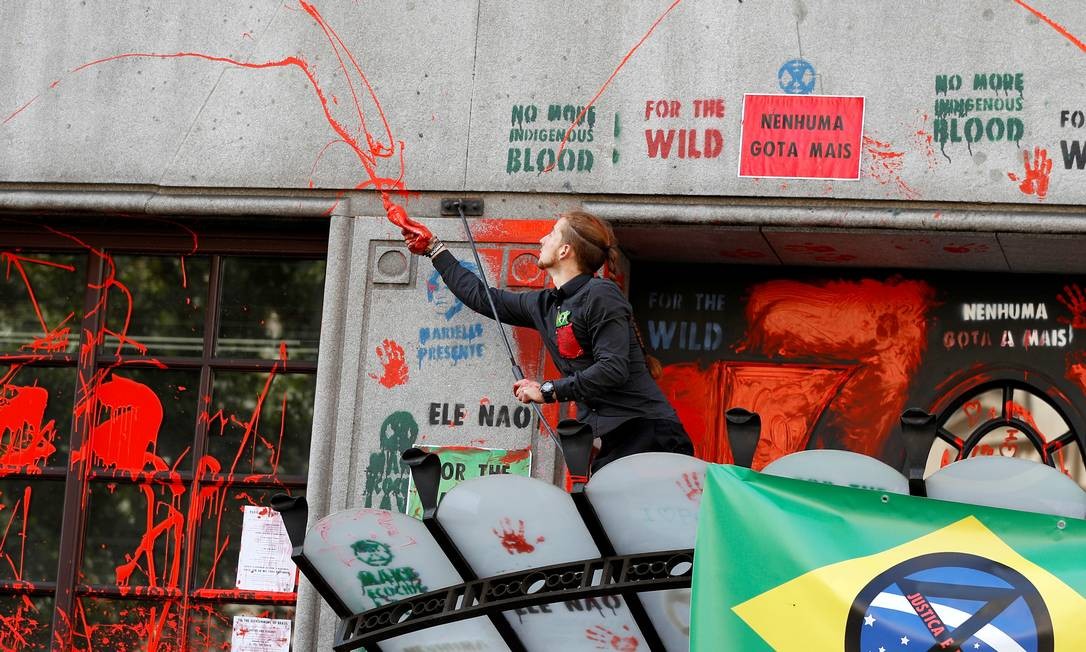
x: 788, y: 565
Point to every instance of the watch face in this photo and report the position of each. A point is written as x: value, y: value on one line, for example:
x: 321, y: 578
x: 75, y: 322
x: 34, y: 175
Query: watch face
x: 547, y: 387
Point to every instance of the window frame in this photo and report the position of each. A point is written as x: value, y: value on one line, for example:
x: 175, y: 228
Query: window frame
x: 217, y: 239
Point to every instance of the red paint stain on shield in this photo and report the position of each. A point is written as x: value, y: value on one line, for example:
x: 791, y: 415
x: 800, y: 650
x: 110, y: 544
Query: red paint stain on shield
x: 512, y: 537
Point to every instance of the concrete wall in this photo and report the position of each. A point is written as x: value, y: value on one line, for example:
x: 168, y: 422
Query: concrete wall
x: 455, y: 79
x: 263, y: 97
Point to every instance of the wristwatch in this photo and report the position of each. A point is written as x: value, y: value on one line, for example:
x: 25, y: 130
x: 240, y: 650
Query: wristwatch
x: 436, y: 247
x: 547, y: 390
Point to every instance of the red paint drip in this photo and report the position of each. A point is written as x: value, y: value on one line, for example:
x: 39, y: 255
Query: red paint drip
x: 584, y: 111
x: 884, y: 165
x: 1054, y: 25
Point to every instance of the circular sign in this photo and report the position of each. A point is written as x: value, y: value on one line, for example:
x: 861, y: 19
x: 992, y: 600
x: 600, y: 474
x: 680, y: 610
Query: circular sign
x: 796, y: 76
x: 949, y: 601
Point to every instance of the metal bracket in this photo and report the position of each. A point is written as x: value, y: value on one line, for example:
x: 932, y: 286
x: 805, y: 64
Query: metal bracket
x: 473, y: 206
x: 622, y: 574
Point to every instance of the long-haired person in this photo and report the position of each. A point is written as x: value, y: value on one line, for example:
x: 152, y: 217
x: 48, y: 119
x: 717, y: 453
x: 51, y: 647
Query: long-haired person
x: 588, y: 328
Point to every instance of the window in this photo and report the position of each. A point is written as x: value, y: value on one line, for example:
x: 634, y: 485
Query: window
x: 1009, y: 418
x: 153, y: 386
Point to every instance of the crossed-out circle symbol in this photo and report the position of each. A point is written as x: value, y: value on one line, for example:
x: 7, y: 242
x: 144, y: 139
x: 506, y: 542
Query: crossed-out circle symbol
x: 796, y: 76
x: 949, y: 600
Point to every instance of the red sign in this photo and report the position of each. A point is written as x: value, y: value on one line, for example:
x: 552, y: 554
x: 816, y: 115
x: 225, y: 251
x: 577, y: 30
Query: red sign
x: 802, y: 136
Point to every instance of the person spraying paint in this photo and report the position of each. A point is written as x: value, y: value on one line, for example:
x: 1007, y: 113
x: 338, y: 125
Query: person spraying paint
x: 588, y: 329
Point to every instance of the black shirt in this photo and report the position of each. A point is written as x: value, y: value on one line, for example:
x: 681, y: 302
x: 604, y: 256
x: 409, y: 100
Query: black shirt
x: 588, y: 330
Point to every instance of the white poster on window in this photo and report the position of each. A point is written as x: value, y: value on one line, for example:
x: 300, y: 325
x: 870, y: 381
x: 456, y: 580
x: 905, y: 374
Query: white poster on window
x: 252, y: 634
x: 264, y: 562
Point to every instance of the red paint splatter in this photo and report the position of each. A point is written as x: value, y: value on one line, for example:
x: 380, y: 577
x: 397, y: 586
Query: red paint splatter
x: 367, y: 149
x: 126, y: 439
x: 605, y: 639
x: 967, y: 248
x: 577, y: 121
x: 972, y: 410
x: 1037, y: 175
x: 884, y: 165
x: 514, y: 456
x: 1074, y: 300
x: 53, y: 339
x: 512, y: 537
x: 393, y: 364
x: 1054, y: 25
x: 924, y: 141
x: 881, y: 326
x: 510, y: 231
x: 26, y: 440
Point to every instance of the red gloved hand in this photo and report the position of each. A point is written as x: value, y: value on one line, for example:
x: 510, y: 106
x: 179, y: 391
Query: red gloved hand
x: 417, y: 236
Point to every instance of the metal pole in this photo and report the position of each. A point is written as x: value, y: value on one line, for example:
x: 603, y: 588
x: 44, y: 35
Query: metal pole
x: 518, y: 373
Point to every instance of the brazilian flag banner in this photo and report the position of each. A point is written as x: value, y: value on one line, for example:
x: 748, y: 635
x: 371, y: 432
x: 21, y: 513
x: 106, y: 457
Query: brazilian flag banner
x: 788, y: 565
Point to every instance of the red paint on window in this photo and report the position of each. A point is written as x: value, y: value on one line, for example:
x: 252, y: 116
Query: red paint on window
x: 126, y: 417
x: 26, y: 440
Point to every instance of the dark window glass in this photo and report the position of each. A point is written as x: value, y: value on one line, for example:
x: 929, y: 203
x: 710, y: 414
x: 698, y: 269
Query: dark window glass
x: 269, y: 302
x: 134, y: 535
x: 261, y: 428
x: 157, y: 305
x: 120, y: 365
x: 126, y: 625
x: 26, y: 622
x: 42, y: 299
x: 30, y: 514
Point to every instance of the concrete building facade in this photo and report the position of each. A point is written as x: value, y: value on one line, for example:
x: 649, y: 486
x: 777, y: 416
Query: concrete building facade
x: 934, y: 262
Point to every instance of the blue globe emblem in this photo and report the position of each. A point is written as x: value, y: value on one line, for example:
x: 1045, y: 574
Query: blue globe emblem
x: 796, y: 76
x: 949, y: 601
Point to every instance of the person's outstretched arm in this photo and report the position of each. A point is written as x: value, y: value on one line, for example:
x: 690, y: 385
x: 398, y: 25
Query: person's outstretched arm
x: 514, y: 308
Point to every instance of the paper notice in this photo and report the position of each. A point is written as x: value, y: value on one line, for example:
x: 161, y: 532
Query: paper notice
x: 253, y: 634
x: 264, y: 562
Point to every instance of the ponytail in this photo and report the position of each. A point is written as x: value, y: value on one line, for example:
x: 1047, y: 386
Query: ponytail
x: 594, y: 244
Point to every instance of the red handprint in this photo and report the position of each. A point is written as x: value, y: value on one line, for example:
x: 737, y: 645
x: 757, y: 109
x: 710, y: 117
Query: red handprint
x: 390, y: 355
x: 1075, y: 301
x: 691, y: 486
x: 513, y: 540
x: 1035, y: 180
x: 606, y: 639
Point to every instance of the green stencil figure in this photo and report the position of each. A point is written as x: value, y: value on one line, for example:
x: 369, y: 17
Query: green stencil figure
x: 382, y: 583
x: 386, y: 476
